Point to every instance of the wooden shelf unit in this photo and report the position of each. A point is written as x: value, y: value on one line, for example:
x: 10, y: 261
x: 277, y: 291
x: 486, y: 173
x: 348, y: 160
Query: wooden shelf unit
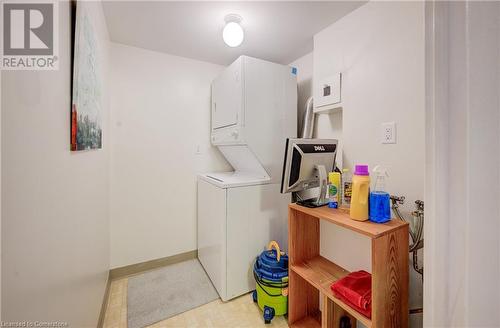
x: 311, y: 275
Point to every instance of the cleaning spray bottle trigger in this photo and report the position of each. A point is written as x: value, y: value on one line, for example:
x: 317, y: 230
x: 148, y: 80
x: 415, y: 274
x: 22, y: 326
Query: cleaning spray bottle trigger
x: 380, y: 210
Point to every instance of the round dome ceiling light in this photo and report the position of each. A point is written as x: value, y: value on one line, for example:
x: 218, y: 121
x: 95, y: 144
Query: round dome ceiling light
x: 233, y: 34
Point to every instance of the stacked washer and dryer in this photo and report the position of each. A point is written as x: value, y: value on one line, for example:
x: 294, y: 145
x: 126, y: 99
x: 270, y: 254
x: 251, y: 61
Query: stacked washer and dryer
x: 254, y: 110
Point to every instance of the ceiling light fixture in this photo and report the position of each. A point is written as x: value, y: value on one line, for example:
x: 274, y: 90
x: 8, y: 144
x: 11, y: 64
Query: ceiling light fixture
x: 233, y: 34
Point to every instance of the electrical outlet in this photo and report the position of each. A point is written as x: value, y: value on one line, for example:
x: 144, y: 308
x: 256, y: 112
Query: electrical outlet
x: 388, y: 133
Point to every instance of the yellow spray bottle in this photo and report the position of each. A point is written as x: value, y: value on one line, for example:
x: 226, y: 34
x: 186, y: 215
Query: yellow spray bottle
x: 333, y: 189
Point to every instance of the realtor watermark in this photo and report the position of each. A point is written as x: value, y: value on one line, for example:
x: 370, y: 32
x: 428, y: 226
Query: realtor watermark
x: 30, y: 39
x: 34, y: 324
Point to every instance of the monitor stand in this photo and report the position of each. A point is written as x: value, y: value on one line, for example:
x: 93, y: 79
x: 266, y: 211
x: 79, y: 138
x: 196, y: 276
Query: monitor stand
x: 311, y: 203
x: 321, y: 200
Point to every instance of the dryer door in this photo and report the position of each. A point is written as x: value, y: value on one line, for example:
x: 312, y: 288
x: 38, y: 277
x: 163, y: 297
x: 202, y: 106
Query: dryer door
x: 227, y: 96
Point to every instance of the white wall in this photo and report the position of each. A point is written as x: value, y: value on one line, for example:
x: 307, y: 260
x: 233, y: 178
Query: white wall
x: 0, y: 197
x: 463, y: 164
x: 304, y: 67
x: 55, y: 228
x: 161, y: 140
x: 379, y: 48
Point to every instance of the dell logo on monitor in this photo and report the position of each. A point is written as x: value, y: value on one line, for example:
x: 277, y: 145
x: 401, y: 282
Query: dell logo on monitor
x: 319, y: 148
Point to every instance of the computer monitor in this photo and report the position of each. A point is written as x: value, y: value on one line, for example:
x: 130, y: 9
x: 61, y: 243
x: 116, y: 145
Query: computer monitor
x: 306, y: 164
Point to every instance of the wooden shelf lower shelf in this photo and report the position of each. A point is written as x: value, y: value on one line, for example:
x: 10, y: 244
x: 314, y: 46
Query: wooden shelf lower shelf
x: 319, y: 272
x: 308, y: 322
x: 361, y: 318
x: 322, y: 273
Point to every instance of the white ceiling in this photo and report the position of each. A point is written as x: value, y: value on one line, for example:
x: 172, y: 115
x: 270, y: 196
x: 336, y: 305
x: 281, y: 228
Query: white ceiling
x: 276, y: 31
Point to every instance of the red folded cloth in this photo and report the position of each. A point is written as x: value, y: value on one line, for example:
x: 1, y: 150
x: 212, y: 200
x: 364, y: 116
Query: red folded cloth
x: 355, y: 289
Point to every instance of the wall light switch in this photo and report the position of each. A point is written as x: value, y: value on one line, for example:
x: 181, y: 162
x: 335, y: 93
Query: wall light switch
x: 388, y: 133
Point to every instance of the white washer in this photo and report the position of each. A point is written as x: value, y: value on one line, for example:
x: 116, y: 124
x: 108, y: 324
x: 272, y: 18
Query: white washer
x: 235, y: 223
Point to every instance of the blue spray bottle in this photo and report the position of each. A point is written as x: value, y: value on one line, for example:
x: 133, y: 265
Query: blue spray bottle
x: 380, y: 207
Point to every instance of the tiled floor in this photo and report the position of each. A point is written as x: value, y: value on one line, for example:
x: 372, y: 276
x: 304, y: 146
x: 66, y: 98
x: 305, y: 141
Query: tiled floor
x: 240, y: 312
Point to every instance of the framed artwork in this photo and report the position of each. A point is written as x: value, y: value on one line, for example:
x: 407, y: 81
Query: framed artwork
x: 86, y: 127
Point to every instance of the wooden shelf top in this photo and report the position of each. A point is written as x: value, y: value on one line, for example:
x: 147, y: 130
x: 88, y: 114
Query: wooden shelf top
x: 341, y: 217
x: 321, y: 273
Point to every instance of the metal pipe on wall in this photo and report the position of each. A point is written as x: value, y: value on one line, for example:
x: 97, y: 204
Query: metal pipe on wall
x: 308, y: 121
